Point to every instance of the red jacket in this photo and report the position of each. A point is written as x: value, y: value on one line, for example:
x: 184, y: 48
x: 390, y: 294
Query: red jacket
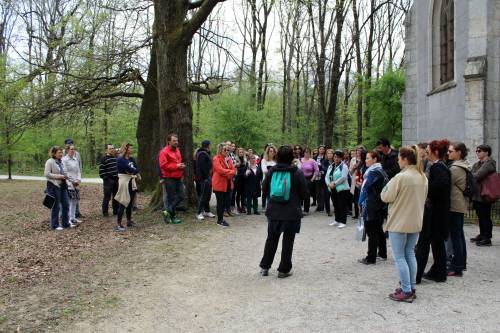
x: 169, y: 159
x: 222, y: 173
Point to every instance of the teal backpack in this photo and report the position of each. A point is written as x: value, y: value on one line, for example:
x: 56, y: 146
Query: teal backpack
x: 281, y: 182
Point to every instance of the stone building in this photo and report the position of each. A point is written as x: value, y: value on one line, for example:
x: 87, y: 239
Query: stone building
x: 452, y: 63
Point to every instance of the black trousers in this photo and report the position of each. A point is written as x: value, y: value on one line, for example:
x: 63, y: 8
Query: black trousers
x: 110, y: 187
x: 310, y: 190
x: 205, y: 188
x: 340, y: 200
x: 128, y: 209
x: 271, y: 246
x: 376, y: 240
x: 222, y: 199
x: 252, y: 201
x: 355, y: 200
x: 327, y: 197
x: 438, y: 268
x: 483, y: 211
x: 320, y: 195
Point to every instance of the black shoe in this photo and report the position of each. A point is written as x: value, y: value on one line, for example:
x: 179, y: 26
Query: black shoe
x: 427, y: 276
x: 223, y: 224
x: 249, y: 213
x: 79, y: 215
x: 282, y: 275
x: 181, y: 209
x: 365, y: 262
x: 130, y: 224
x: 313, y: 204
x: 476, y: 239
x: 484, y: 242
x: 264, y: 272
x: 329, y: 214
x: 105, y: 214
x: 256, y: 213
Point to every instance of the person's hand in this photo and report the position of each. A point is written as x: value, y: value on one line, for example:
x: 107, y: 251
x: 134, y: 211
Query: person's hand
x: 65, y: 177
x: 247, y: 173
x: 181, y: 166
x: 332, y: 185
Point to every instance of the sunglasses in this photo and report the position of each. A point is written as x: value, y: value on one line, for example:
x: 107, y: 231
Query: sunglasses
x: 478, y: 151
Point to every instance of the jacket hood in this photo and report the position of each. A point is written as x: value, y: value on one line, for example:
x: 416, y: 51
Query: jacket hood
x: 284, y: 167
x: 462, y: 163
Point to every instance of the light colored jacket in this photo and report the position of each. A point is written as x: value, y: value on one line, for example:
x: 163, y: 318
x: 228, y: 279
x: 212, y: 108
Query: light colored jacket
x: 458, y: 202
x: 72, y: 169
x: 405, y: 194
x: 53, y: 173
x: 337, y: 174
x: 123, y: 195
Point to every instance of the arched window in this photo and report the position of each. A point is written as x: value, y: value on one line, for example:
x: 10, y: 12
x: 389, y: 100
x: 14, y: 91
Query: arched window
x: 447, y: 41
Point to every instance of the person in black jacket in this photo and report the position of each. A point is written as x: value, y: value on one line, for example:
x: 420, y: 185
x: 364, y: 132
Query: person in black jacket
x: 203, y: 177
x: 252, y: 179
x: 390, y: 157
x: 283, y: 217
x: 435, y: 225
x: 108, y: 171
x: 240, y: 180
x: 373, y: 209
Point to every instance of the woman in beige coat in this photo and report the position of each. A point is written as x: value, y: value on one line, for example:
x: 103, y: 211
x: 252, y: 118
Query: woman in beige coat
x: 405, y: 194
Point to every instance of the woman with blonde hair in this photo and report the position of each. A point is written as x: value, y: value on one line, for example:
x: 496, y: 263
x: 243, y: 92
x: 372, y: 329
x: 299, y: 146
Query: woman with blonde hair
x: 223, y: 172
x: 267, y: 162
x: 405, y: 194
x: 72, y: 167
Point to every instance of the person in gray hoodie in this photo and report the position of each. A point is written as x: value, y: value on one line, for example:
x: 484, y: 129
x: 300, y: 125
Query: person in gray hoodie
x: 480, y: 170
x: 457, y: 152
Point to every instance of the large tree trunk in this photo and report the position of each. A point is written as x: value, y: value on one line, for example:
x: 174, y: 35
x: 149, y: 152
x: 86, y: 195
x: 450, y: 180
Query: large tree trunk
x: 148, y: 136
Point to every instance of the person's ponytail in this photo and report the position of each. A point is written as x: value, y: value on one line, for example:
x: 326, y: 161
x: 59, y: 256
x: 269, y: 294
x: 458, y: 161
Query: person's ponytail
x: 418, y: 158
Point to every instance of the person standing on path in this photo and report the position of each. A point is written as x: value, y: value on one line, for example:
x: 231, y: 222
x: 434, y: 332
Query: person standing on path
x: 437, y: 208
x: 72, y: 168
x: 311, y: 172
x: 457, y: 152
x: 336, y: 181
x: 172, y: 171
x: 481, y: 170
x: 204, y: 178
x: 283, y: 212
x: 405, y: 194
x: 222, y: 181
x: 67, y: 144
x: 253, y: 179
x: 128, y: 172
x: 374, y: 210
x: 268, y: 161
x: 109, y: 174
x: 58, y: 188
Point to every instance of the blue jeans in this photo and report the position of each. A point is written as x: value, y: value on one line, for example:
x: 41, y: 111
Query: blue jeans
x: 62, y: 203
x: 403, y: 249
x: 457, y: 239
x: 174, y: 190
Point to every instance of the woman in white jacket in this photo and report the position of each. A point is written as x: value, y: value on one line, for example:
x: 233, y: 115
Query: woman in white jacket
x: 74, y: 173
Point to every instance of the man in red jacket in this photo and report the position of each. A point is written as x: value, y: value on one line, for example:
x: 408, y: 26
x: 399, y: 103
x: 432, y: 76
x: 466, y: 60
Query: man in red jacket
x: 172, y: 171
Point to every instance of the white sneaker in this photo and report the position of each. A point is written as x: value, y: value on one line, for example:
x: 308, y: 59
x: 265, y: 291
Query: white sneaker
x: 77, y: 221
x: 59, y: 228
x: 200, y: 217
x: 341, y: 226
x: 72, y: 225
x: 209, y: 214
x: 334, y: 223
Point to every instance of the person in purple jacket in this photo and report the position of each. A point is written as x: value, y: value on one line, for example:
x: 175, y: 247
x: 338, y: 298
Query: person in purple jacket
x: 311, y: 173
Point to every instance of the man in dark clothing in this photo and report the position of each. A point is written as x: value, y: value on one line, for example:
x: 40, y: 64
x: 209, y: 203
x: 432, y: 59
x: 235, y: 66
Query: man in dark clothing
x: 108, y: 171
x: 283, y: 217
x: 390, y: 157
x: 204, y: 180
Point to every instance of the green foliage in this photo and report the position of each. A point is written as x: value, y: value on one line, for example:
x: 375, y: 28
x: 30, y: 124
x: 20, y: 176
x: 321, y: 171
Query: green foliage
x: 384, y: 104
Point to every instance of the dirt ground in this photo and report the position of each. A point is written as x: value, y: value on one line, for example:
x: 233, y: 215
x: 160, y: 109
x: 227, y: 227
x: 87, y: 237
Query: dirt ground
x: 197, y: 277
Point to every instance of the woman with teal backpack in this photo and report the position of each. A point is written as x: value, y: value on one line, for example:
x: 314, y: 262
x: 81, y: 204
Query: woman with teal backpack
x: 336, y: 180
x: 285, y: 187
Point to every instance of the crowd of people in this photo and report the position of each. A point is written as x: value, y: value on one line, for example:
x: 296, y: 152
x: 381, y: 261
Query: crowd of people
x: 416, y: 196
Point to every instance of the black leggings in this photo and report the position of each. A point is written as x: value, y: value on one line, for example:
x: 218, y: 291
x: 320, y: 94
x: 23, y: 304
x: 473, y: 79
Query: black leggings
x: 128, y: 209
x: 222, y: 200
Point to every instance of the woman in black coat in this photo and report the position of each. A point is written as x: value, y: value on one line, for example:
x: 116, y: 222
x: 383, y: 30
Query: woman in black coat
x: 253, y: 178
x: 241, y: 168
x: 283, y: 216
x: 435, y: 225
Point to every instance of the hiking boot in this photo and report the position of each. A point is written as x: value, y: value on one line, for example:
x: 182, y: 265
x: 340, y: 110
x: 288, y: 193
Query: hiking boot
x: 484, y: 242
x: 413, y: 291
x: 402, y: 297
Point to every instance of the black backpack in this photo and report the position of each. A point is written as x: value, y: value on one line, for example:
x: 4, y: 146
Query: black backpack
x: 470, y: 184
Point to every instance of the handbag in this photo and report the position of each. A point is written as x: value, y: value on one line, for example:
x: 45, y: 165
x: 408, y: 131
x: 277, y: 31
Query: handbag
x: 360, y: 230
x: 49, y: 201
x: 490, y: 187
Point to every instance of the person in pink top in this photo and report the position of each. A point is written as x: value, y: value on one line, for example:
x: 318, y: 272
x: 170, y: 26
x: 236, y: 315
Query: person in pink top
x: 311, y: 172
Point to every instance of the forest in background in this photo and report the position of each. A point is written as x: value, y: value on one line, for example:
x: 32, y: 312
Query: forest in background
x: 278, y: 71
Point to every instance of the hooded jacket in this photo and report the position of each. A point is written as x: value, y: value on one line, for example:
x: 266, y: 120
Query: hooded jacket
x: 458, y: 202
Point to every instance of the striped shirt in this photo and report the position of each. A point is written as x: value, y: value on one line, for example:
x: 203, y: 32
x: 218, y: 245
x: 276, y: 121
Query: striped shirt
x: 108, y: 168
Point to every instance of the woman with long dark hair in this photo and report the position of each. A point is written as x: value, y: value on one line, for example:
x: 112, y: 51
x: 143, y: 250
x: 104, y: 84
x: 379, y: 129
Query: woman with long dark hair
x: 437, y: 206
x: 128, y: 172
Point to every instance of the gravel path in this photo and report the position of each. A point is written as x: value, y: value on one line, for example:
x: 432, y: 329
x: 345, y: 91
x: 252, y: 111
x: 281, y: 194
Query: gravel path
x: 210, y: 282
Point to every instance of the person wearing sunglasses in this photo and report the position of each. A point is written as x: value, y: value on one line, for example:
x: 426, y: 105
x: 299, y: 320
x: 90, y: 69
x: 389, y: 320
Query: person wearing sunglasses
x: 481, y: 170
